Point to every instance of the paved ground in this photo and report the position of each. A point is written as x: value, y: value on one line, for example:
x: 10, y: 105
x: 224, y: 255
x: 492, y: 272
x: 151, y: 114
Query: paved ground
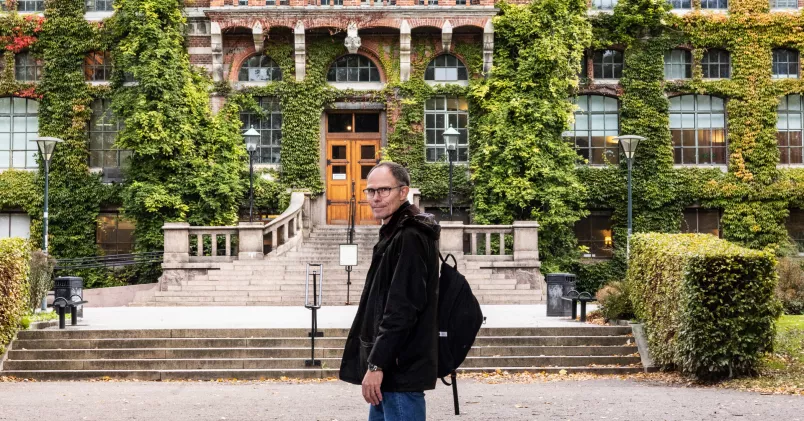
x: 282, y: 317
x: 600, y: 399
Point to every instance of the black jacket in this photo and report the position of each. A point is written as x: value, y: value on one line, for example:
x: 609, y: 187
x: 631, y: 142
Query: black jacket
x: 396, y: 323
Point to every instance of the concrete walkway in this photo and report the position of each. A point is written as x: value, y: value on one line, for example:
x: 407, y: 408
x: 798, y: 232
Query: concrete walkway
x: 114, y: 318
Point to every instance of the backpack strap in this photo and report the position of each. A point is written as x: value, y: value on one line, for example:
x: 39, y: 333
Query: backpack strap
x: 444, y: 260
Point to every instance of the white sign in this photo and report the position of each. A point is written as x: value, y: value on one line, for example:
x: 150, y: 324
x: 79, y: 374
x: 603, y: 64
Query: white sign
x: 348, y: 255
x: 339, y: 176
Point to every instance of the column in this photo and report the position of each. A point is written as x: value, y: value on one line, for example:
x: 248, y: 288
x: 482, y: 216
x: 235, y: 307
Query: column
x: 404, y: 51
x: 446, y: 36
x: 526, y: 241
x: 216, y: 42
x: 250, y: 240
x: 299, y: 51
x: 177, y: 242
x: 488, y: 48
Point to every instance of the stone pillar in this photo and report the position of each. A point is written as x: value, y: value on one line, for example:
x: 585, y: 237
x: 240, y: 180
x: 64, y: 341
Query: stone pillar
x: 250, y: 236
x: 300, y: 51
x: 451, y: 241
x: 526, y: 241
x: 488, y: 48
x: 177, y: 242
x: 404, y: 51
x: 259, y: 37
x: 446, y: 36
x: 216, y: 42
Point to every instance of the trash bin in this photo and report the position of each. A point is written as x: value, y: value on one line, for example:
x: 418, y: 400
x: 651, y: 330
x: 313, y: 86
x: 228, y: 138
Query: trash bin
x: 71, y: 288
x: 558, y: 285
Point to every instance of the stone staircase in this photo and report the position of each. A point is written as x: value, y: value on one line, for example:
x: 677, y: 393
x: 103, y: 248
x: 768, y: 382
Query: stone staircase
x: 208, y: 354
x: 280, y: 280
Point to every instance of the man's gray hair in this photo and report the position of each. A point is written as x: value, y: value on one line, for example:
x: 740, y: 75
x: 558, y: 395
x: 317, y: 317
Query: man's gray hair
x: 399, y: 172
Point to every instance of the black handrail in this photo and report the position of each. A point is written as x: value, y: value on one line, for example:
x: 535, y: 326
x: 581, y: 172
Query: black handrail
x: 111, y: 260
x: 350, y: 235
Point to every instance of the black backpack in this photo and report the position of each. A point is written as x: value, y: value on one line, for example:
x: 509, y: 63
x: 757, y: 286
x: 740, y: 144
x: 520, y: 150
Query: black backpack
x: 459, y: 321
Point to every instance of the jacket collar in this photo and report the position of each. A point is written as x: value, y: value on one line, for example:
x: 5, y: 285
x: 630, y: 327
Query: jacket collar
x: 388, y: 228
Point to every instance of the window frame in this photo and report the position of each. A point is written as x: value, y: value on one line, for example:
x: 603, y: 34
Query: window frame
x: 679, y: 149
x: 571, y: 135
x: 707, y: 63
x: 435, y: 141
x: 29, y: 62
x: 598, y: 249
x: 271, y: 107
x: 783, y: 135
x: 681, y: 4
x: 433, y: 66
x: 777, y: 63
x: 107, y: 115
x: 91, y: 68
x: 799, y: 242
x: 719, y: 4
x: 369, y: 65
x: 603, y: 64
x: 604, y: 4
x: 264, y: 62
x: 698, y: 210
x: 774, y: 5
x: 92, y: 6
x: 116, y: 243
x: 38, y: 6
x: 30, y: 151
x: 11, y: 215
x: 687, y: 65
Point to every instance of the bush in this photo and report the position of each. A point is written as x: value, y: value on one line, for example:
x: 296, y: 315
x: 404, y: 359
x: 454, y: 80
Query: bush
x: 14, y: 257
x: 41, y: 277
x: 615, y: 302
x: 790, y: 289
x: 708, y: 305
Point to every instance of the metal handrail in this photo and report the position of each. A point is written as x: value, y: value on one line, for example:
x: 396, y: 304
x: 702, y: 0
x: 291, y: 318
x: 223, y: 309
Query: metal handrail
x: 111, y: 260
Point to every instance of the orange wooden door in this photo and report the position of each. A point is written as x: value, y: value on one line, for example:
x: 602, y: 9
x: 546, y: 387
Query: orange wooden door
x: 339, y: 181
x: 366, y: 155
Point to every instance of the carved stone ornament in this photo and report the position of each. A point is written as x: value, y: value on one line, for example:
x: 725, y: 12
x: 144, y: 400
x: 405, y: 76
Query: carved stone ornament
x: 352, y: 41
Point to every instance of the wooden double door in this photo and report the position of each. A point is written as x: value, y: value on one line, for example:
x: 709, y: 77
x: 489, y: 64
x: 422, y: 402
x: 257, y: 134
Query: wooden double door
x: 350, y: 157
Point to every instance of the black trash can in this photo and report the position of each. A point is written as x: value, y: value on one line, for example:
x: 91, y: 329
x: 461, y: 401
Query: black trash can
x: 558, y: 285
x: 71, y: 288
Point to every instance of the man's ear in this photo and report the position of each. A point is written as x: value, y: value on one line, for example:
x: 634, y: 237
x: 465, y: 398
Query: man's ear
x: 404, y: 190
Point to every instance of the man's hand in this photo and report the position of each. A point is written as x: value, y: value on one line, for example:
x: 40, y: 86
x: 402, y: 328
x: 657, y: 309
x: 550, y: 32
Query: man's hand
x: 371, y: 387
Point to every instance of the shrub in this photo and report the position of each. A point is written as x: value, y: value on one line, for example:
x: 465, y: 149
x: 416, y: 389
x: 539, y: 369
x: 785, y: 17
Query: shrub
x: 14, y: 257
x: 790, y: 289
x: 615, y: 302
x: 708, y: 305
x: 41, y: 277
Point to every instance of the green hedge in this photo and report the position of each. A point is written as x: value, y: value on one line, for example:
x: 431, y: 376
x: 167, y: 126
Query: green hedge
x: 708, y: 305
x: 14, y: 257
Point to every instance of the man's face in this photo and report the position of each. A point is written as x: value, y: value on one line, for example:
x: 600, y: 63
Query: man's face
x: 384, y: 207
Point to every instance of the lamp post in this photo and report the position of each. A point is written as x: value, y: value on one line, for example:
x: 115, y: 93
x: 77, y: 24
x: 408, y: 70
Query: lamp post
x: 451, y: 139
x: 629, y: 145
x: 252, y: 139
x: 46, y: 147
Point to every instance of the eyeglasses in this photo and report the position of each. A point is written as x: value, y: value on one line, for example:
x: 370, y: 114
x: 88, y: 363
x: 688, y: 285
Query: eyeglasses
x: 382, y: 191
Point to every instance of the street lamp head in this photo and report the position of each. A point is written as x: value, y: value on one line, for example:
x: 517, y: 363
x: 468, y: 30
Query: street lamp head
x: 46, y: 146
x: 629, y: 144
x: 252, y: 139
x: 451, y: 138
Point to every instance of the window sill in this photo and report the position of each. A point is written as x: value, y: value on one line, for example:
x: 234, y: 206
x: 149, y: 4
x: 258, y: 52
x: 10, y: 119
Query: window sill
x: 779, y: 78
x: 595, y: 12
x: 2, y: 170
x: 606, y: 81
x: 721, y: 167
x: 677, y: 80
x: 447, y: 82
x: 267, y: 167
x: 99, y: 82
x: 97, y: 16
x: 250, y: 84
x: 714, y: 79
x: 790, y: 166
x: 456, y: 163
x: 358, y: 86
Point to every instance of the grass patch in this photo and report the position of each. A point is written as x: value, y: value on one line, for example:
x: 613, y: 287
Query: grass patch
x: 783, y: 370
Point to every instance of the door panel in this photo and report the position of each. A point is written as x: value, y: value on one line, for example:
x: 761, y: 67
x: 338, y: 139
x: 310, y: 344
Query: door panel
x: 338, y: 181
x: 366, y: 156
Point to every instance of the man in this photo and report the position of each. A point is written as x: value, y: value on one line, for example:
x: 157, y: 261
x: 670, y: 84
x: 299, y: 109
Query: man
x: 392, y: 348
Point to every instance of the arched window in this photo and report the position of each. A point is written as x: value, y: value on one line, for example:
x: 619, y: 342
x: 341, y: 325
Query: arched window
x: 445, y: 68
x: 440, y: 112
x: 789, y: 124
x: 698, y: 128
x: 259, y: 69
x: 597, y: 122
x: 678, y: 64
x: 269, y: 125
x: 103, y: 128
x: 353, y: 68
x: 26, y: 67
x: 19, y: 123
x: 785, y: 64
x: 716, y: 64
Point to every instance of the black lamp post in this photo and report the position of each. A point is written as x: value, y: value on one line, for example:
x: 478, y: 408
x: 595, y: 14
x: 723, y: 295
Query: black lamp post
x: 46, y: 147
x: 629, y: 144
x: 451, y: 139
x: 252, y: 139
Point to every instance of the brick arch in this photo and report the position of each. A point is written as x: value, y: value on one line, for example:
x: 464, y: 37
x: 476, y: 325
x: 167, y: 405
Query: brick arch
x: 245, y: 23
x: 240, y: 58
x: 369, y: 54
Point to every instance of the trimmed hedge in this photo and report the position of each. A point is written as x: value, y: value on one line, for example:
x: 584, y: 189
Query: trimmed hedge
x: 708, y: 305
x: 14, y: 257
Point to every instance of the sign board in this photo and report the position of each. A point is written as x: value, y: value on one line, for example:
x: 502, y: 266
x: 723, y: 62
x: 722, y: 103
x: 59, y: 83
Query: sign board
x: 339, y: 176
x: 348, y: 254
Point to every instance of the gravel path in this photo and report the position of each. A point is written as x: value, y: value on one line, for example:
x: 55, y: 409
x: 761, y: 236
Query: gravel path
x: 599, y: 399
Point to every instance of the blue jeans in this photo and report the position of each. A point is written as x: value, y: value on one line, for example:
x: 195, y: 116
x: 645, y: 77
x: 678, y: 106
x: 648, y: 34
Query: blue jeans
x: 399, y: 406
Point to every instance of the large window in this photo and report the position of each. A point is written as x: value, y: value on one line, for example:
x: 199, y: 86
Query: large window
x: 594, y: 232
x: 596, y: 124
x: 785, y: 64
x: 716, y: 64
x: 15, y: 225
x: 26, y: 67
x: 98, y: 66
x: 604, y: 4
x: 445, y: 68
x: 784, y: 4
x: 259, y: 69
x: 703, y: 221
x: 678, y: 64
x: 714, y: 4
x: 19, y: 123
x: 31, y: 5
x: 608, y: 64
x: 698, y: 128
x: 795, y: 228
x: 681, y: 4
x: 113, y: 234
x: 440, y: 112
x: 789, y: 124
x: 103, y: 128
x: 353, y: 68
x: 269, y: 125
x: 100, y: 5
